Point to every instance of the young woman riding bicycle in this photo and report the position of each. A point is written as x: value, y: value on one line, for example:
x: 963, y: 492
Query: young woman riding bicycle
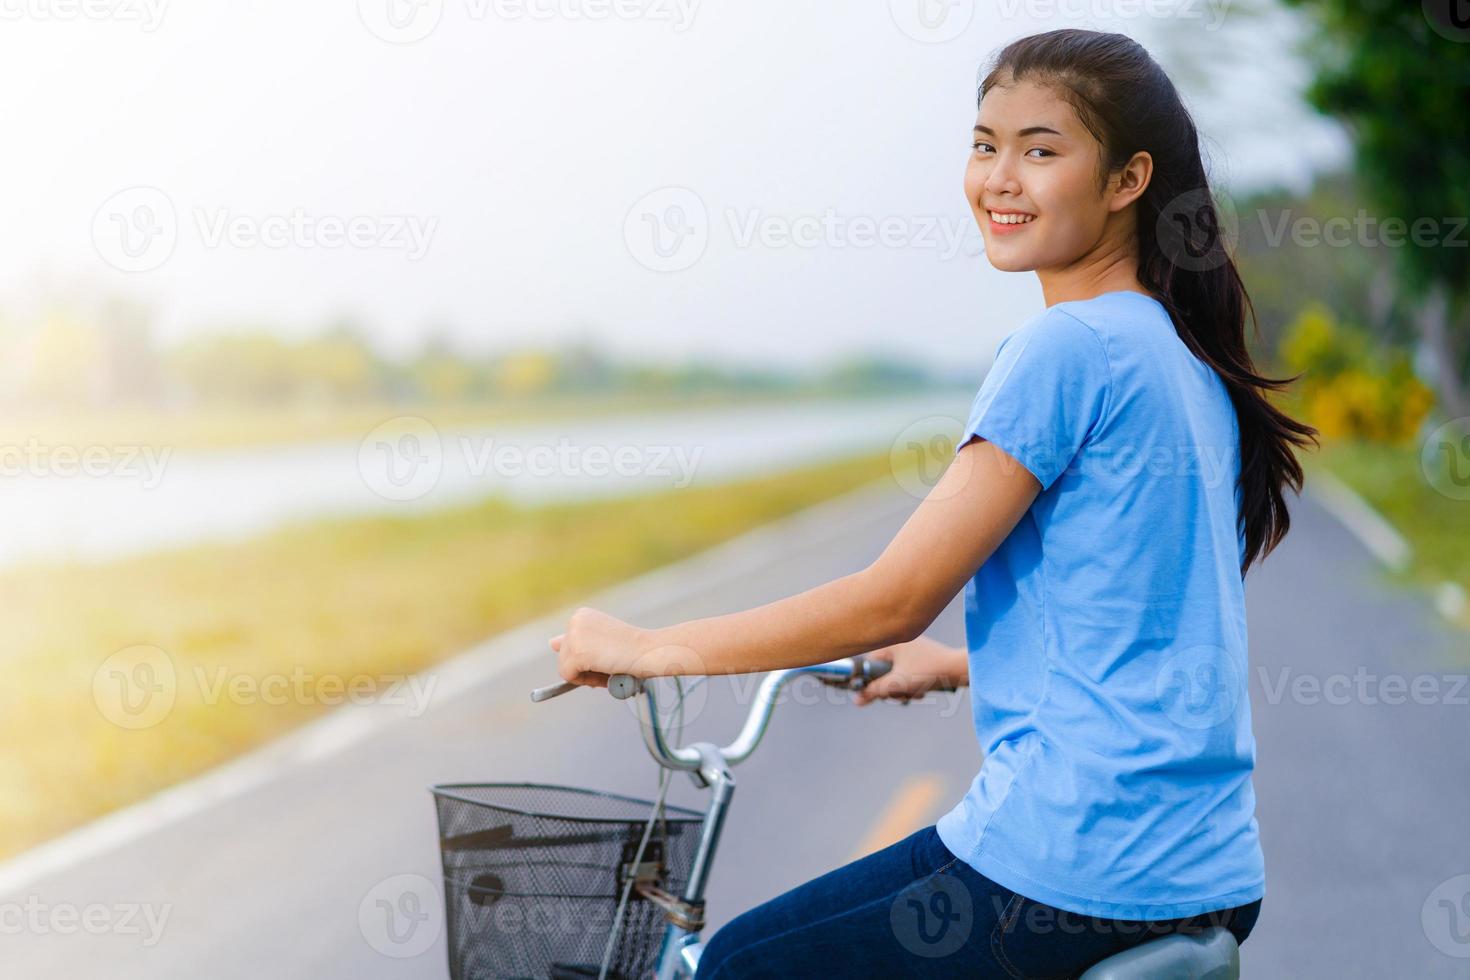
x: 1120, y: 471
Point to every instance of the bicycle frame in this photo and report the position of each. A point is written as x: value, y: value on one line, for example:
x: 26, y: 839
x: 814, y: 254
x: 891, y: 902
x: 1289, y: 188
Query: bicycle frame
x: 710, y: 766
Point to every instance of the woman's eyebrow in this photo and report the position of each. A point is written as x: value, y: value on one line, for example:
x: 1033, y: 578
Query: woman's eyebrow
x: 1028, y: 131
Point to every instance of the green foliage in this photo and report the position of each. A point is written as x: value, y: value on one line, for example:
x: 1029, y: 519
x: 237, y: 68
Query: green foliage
x: 1402, y: 90
x: 1401, y: 83
x: 1355, y: 280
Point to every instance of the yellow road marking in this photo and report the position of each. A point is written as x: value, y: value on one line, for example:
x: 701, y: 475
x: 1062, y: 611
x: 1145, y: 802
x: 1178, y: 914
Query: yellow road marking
x: 912, y: 807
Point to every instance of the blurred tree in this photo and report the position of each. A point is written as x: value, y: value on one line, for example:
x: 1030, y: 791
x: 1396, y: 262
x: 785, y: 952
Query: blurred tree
x: 525, y: 372
x: 439, y: 373
x: 133, y: 375
x: 253, y: 367
x: 1285, y: 271
x: 877, y: 373
x: 1397, y: 74
x: 337, y: 367
x: 67, y: 362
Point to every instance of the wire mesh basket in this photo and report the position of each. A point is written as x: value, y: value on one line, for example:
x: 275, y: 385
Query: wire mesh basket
x: 533, y: 875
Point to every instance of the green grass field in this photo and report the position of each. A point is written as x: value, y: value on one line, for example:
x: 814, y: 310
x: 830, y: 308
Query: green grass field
x: 365, y: 599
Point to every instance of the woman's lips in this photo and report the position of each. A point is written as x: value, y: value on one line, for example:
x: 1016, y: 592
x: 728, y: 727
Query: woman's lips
x: 1007, y: 228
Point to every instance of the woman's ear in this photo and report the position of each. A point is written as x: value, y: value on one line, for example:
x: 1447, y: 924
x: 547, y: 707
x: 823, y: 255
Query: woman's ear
x: 1130, y: 182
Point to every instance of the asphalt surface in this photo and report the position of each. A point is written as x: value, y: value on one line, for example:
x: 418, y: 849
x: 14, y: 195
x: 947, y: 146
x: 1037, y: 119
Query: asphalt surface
x: 1363, y: 804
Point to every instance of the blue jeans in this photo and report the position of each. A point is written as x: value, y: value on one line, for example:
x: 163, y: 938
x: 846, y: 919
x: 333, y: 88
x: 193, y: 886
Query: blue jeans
x: 915, y: 910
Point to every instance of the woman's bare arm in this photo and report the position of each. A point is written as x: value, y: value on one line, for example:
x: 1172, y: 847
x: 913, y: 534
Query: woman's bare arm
x: 963, y: 519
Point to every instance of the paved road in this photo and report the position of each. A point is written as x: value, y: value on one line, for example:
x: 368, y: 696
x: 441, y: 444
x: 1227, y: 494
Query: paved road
x: 1363, y: 805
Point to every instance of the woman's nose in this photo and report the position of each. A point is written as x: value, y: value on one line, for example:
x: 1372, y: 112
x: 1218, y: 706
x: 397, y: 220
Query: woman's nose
x: 1002, y: 177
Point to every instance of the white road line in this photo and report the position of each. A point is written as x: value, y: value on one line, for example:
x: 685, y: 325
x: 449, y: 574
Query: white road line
x: 1359, y: 517
x: 1380, y: 537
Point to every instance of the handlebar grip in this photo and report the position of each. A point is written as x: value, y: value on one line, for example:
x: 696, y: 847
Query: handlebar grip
x: 867, y: 669
x: 870, y: 669
x: 623, y: 686
x: 620, y: 686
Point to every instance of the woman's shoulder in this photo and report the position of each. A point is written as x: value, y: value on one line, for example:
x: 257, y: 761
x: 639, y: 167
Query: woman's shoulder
x: 1058, y: 332
x: 1121, y: 314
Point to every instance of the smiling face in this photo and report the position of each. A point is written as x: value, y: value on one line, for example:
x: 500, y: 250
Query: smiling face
x: 1034, y: 187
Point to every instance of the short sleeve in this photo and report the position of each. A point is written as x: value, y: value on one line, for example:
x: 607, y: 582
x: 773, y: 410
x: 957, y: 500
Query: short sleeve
x: 1044, y: 396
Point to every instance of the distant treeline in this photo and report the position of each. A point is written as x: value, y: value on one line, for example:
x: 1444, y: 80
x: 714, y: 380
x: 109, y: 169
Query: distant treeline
x: 107, y: 358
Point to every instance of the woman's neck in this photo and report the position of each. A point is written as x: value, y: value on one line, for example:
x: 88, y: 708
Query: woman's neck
x: 1110, y: 266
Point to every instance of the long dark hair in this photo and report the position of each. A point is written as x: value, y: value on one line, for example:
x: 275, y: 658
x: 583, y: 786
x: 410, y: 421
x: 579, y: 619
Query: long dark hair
x: 1130, y: 105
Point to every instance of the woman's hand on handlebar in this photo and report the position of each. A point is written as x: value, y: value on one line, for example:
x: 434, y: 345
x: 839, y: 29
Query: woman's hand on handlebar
x: 919, y: 666
x: 596, y: 645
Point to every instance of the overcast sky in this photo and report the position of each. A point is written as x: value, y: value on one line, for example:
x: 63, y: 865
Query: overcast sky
x: 761, y: 179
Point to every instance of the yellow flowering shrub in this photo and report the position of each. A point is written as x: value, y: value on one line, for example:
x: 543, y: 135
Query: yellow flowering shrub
x: 1350, y: 389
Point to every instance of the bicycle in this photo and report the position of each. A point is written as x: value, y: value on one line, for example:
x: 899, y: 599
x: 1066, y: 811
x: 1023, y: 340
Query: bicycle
x: 506, y: 858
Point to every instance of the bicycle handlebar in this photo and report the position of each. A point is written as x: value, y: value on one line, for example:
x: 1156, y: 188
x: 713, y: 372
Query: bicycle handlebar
x: 851, y: 672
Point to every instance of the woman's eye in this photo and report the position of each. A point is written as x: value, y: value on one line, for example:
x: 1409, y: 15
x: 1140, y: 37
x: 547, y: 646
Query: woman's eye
x: 979, y: 144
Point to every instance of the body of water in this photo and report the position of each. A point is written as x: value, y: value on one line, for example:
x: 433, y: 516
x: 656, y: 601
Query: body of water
x: 169, y: 499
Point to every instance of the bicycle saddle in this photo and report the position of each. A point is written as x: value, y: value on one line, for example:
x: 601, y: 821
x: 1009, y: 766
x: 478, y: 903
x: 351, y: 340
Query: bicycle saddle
x: 1211, y: 954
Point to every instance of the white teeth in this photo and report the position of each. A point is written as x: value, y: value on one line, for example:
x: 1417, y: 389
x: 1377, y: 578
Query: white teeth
x: 1012, y: 219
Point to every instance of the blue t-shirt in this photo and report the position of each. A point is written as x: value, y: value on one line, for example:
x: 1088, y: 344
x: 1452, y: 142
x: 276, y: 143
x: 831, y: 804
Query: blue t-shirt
x: 1107, y: 633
